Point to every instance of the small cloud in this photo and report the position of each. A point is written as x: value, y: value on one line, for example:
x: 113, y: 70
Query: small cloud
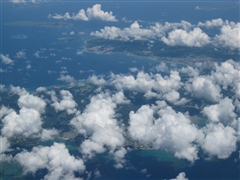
x: 6, y: 59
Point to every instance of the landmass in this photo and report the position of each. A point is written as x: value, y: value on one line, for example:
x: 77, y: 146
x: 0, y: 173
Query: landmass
x: 160, y: 51
x: 38, y: 24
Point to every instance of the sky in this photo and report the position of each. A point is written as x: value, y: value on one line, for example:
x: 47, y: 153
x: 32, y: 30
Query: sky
x: 185, y: 106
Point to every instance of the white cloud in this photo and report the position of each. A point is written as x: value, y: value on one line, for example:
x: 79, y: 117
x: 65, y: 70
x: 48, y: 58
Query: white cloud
x: 6, y: 59
x: 26, y: 123
x: 171, y: 132
x: 119, y: 158
x: 21, y: 54
x: 222, y: 112
x: 194, y: 38
x: 90, y: 14
x: 99, y: 81
x: 199, y: 85
x: 5, y: 111
x: 119, y: 98
x: 66, y: 78
x: 98, y: 123
x: 48, y: 134
x: 212, y: 23
x: 56, y: 159
x: 219, y: 140
x: 5, y: 145
x: 181, y: 176
x: 18, y: 90
x: 67, y: 103
x: 228, y: 37
x: 30, y: 101
x: 40, y: 89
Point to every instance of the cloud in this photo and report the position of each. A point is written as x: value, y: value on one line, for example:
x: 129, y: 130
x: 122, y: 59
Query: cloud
x: 30, y: 101
x: 48, y: 134
x: 181, y: 176
x: 56, y: 159
x: 212, y: 23
x: 94, y: 13
x: 194, y: 38
x: 18, y: 90
x: 67, y: 103
x: 40, y: 89
x: 26, y: 123
x: 222, y: 112
x: 198, y: 86
x: 5, y: 145
x: 228, y: 37
x: 66, y: 78
x: 6, y: 59
x: 119, y: 158
x: 99, y: 81
x: 21, y: 54
x: 219, y: 141
x: 172, y: 131
x: 5, y: 111
x: 98, y: 123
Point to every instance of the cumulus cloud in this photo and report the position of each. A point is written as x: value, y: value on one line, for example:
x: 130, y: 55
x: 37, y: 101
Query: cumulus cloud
x: 194, y: 38
x: 6, y: 59
x: 31, y: 101
x: 66, y: 78
x: 48, y: 134
x: 5, y: 145
x: 99, y: 81
x: 229, y: 36
x: 172, y: 132
x: 212, y: 23
x: 56, y: 159
x: 40, y: 89
x: 18, y: 90
x: 94, y: 13
x: 181, y: 176
x: 67, y: 103
x: 219, y: 141
x: 198, y: 86
x: 119, y: 158
x: 26, y: 123
x: 221, y: 112
x: 5, y: 111
x: 98, y: 123
x: 21, y: 54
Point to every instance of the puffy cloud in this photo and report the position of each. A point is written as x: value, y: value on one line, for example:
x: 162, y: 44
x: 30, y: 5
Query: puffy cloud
x: 194, y: 38
x: 21, y: 54
x: 66, y: 78
x: 134, y: 32
x: 142, y: 83
x: 90, y: 14
x: 56, y: 159
x: 26, y: 123
x: 5, y: 111
x: 48, y: 134
x: 67, y: 103
x: 6, y: 59
x: 227, y: 74
x: 97, y: 13
x: 171, y: 132
x: 30, y: 101
x: 18, y: 90
x: 97, y: 121
x: 40, y: 89
x: 119, y: 158
x: 219, y: 140
x: 5, y: 145
x: 200, y: 85
x: 181, y: 176
x: 99, y: 81
x: 212, y: 23
x: 119, y: 98
x: 223, y: 111
x: 229, y: 36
